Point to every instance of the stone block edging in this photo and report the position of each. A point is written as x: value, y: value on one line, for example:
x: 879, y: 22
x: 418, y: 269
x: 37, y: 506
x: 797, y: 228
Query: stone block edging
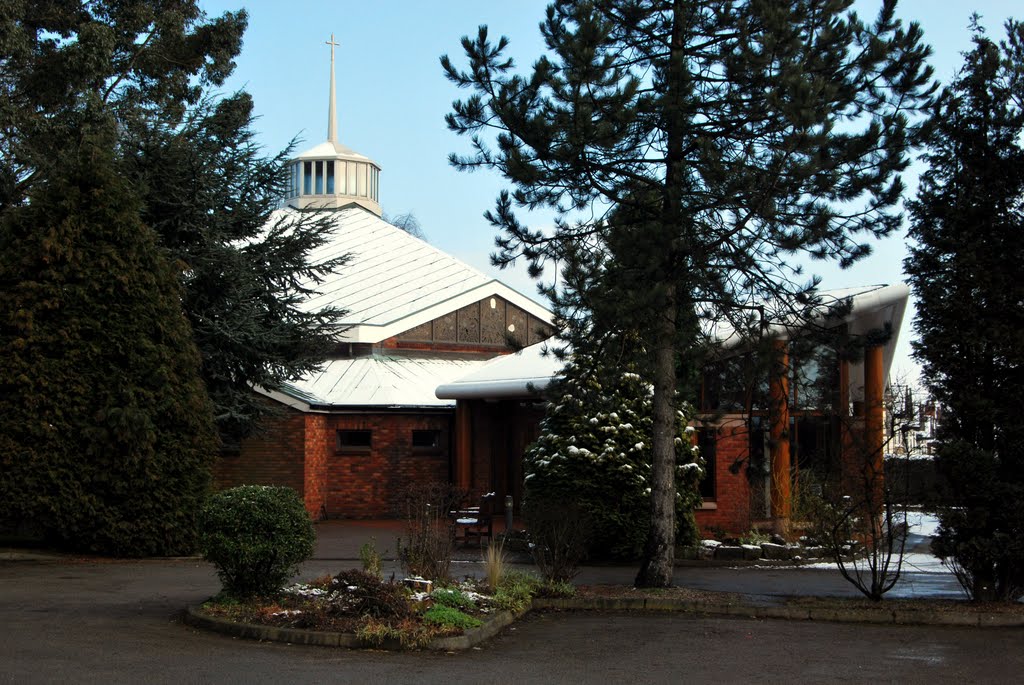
x: 194, y: 617
x: 882, y: 614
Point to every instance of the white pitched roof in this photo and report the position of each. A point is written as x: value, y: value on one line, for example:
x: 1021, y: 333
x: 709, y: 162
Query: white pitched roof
x: 377, y: 381
x: 396, y: 281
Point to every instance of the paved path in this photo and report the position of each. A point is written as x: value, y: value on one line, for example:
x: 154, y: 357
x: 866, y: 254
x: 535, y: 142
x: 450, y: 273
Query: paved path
x: 98, y: 621
x: 69, y: 621
x: 338, y: 544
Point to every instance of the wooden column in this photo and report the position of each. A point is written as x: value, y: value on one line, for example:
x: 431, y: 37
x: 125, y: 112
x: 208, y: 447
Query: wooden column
x: 463, y: 476
x: 779, y: 431
x: 874, y: 432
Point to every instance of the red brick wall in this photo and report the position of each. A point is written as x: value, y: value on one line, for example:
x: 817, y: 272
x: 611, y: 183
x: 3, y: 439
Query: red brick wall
x: 316, y: 463
x: 300, y: 451
x: 272, y: 457
x: 732, y: 490
x: 369, y: 484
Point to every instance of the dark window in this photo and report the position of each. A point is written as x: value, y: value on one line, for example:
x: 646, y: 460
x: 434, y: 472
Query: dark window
x: 706, y: 443
x: 355, y: 440
x: 814, y: 376
x: 428, y: 441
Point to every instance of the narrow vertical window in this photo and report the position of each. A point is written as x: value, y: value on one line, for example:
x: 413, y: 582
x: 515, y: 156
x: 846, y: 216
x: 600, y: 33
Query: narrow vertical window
x: 706, y: 443
x: 319, y: 178
x: 330, y: 177
x: 307, y: 178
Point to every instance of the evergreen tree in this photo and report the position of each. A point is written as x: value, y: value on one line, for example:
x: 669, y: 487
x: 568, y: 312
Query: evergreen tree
x: 106, y: 136
x: 205, y: 187
x: 594, y: 450
x: 139, y: 59
x: 727, y: 135
x: 967, y: 226
x: 212, y: 198
x: 105, y: 431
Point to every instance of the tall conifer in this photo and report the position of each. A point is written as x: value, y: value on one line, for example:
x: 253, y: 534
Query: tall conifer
x: 105, y: 427
x: 726, y: 135
x: 964, y: 265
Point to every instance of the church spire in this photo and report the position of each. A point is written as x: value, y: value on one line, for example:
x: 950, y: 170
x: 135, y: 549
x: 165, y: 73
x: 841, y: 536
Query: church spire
x: 332, y: 113
x: 330, y: 175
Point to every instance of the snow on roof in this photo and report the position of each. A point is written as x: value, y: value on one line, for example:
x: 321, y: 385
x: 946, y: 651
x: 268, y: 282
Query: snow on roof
x: 531, y: 370
x: 396, y: 281
x: 513, y: 375
x: 331, y: 150
x: 378, y: 381
x: 863, y: 299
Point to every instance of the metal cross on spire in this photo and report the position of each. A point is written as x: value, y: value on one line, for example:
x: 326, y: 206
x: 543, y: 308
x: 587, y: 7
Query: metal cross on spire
x: 332, y: 117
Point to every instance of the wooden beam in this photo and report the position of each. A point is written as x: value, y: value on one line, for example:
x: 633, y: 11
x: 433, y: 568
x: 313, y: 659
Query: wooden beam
x: 463, y: 476
x: 778, y: 381
x: 874, y: 433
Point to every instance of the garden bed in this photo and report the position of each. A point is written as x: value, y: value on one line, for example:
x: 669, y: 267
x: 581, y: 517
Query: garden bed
x: 359, y: 609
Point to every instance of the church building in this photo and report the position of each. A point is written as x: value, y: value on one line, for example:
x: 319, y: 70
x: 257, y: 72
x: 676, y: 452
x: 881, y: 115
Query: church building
x: 349, y: 438
x: 425, y: 387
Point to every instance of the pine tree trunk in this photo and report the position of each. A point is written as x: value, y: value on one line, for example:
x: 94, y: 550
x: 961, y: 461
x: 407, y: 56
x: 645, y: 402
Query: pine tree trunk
x: 658, y: 561
x: 659, y: 554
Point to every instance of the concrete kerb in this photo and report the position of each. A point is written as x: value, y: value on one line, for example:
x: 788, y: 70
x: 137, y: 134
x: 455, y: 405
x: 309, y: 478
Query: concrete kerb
x: 882, y: 615
x: 194, y: 617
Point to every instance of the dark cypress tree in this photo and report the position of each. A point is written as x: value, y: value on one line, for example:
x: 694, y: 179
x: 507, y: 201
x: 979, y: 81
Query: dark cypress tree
x: 727, y: 135
x: 105, y: 136
x: 964, y: 265
x: 105, y: 428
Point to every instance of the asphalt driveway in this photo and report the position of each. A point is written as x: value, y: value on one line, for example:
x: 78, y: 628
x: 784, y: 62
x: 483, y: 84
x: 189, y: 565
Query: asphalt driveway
x: 117, y: 622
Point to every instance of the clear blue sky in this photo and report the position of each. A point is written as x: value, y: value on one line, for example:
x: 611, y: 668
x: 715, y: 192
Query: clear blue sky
x: 392, y: 98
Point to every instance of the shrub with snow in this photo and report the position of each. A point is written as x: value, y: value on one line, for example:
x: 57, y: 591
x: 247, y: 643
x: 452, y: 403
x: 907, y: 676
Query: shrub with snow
x: 594, y: 450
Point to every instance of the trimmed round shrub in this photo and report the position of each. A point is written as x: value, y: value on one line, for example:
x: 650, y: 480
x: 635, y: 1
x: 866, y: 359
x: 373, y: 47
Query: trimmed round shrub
x: 256, y: 535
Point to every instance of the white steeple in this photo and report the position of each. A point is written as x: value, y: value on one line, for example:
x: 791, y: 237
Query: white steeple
x: 330, y: 175
x: 332, y: 110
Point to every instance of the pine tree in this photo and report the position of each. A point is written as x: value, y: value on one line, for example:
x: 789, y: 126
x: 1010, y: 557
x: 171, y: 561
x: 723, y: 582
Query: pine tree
x: 105, y: 427
x: 727, y: 136
x: 967, y: 226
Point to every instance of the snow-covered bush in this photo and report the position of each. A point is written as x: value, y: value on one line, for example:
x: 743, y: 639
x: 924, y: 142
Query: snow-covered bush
x: 594, y: 450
